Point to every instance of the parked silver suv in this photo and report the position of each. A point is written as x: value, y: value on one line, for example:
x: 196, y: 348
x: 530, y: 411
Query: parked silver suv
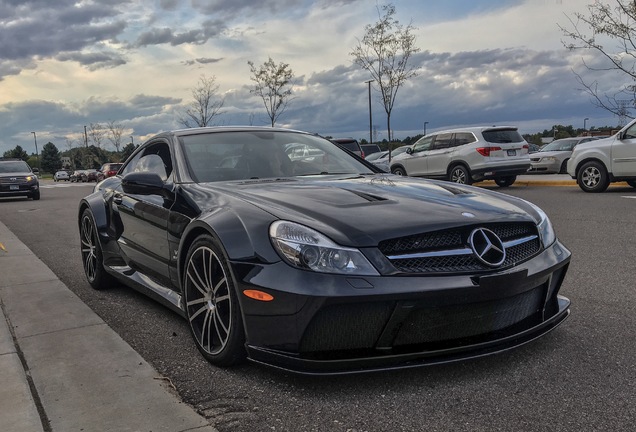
x: 467, y: 155
x: 596, y: 164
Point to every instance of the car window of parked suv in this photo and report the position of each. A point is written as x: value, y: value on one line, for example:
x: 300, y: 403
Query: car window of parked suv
x: 462, y: 138
x: 442, y: 141
x: 423, y: 144
x: 502, y: 136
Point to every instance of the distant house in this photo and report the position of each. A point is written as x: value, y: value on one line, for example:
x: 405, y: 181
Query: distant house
x: 66, y: 162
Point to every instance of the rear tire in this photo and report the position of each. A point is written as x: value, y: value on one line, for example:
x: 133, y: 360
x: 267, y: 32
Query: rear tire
x: 211, y: 304
x: 505, y: 181
x: 593, y: 177
x: 632, y: 183
x: 460, y: 174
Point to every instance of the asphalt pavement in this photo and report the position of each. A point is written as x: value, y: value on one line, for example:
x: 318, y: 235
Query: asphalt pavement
x: 62, y: 368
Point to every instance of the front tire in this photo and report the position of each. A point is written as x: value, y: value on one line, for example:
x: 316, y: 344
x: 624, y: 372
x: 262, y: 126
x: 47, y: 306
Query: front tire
x: 211, y: 304
x: 460, y: 174
x: 632, y: 183
x: 399, y: 171
x: 505, y: 181
x: 593, y: 177
x: 92, y: 257
x: 35, y: 195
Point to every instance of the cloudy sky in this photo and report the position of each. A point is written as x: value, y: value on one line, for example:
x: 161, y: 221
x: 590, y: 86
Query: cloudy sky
x: 69, y: 63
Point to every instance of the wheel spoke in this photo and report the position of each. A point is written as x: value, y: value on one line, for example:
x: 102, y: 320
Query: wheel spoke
x: 198, y: 312
x: 200, y: 286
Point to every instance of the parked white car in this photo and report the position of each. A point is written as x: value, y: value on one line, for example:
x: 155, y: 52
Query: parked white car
x: 596, y: 164
x: 467, y: 155
x: 61, y: 175
x: 553, y: 158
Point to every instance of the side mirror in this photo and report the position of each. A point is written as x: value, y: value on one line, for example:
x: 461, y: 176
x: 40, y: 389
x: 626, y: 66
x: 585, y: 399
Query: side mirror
x: 142, y: 183
x: 409, y: 150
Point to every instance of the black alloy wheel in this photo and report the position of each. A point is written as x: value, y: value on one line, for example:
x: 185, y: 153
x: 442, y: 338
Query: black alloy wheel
x: 505, y: 181
x: 460, y: 174
x: 92, y: 257
x: 592, y: 177
x: 211, y: 304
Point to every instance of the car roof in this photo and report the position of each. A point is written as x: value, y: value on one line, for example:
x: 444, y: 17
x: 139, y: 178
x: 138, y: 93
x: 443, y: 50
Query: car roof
x: 479, y: 129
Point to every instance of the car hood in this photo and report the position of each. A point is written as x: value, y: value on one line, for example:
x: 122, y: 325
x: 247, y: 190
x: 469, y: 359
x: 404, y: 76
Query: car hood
x: 18, y: 174
x: 364, y: 210
x: 556, y: 153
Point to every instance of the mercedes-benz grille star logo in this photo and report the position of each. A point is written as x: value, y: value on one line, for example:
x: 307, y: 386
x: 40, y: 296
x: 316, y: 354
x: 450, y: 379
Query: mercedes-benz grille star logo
x: 487, y: 247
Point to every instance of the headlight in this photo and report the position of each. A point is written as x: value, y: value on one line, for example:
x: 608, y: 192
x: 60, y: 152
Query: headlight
x: 546, y: 232
x: 29, y: 178
x: 307, y: 249
x: 549, y: 159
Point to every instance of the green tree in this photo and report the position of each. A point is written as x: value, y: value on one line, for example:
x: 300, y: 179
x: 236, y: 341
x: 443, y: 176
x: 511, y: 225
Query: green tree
x: 384, y: 52
x: 273, y: 83
x: 127, y: 151
x: 50, y: 159
x: 18, y: 153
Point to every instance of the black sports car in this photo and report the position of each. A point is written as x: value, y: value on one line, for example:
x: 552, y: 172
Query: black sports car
x: 279, y: 246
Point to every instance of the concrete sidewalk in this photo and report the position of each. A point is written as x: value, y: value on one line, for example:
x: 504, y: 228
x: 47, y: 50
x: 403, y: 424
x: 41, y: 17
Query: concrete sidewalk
x: 63, y: 369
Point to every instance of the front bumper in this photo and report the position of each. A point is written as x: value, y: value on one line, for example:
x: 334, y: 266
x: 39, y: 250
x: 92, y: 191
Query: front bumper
x: 326, y: 324
x: 493, y: 172
x: 546, y: 167
x: 18, y: 189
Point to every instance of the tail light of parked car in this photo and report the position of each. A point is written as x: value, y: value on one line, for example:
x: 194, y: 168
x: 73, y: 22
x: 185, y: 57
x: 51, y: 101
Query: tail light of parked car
x: 485, y: 151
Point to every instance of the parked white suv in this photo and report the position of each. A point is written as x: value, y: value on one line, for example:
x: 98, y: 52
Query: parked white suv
x: 467, y: 155
x: 596, y: 164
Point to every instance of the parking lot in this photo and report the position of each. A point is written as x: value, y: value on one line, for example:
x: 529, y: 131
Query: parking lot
x: 581, y: 377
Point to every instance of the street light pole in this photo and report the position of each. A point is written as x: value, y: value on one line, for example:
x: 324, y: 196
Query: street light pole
x: 37, y: 154
x: 370, y: 117
x: 425, y: 123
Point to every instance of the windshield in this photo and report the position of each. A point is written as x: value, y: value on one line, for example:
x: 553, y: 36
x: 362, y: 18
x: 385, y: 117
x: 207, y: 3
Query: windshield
x: 559, y: 145
x: 14, y: 167
x: 241, y: 155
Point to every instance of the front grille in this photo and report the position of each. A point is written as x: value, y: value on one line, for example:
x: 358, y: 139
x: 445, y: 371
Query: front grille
x: 429, y: 325
x: 340, y: 329
x: 10, y: 180
x: 449, y: 250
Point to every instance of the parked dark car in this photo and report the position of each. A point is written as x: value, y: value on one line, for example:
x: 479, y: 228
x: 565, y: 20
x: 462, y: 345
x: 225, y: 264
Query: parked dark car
x: 92, y: 175
x: 350, y: 144
x: 17, y: 179
x: 292, y: 263
x: 369, y: 149
x: 110, y: 169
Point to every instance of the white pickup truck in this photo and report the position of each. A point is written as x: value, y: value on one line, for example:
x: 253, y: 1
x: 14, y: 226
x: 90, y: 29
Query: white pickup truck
x: 598, y: 163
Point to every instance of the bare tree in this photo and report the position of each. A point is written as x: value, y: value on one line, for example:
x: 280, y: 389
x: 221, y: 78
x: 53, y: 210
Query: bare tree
x: 592, y: 31
x: 384, y: 52
x: 115, y: 131
x: 273, y: 83
x: 205, y: 104
x: 96, y: 134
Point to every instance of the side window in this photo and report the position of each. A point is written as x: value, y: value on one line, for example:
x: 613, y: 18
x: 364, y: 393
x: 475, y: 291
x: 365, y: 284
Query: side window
x: 464, y: 138
x: 154, y: 158
x: 631, y: 132
x: 443, y: 141
x: 423, y: 144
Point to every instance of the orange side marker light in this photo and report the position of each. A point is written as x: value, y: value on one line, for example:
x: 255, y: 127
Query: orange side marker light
x: 258, y: 295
